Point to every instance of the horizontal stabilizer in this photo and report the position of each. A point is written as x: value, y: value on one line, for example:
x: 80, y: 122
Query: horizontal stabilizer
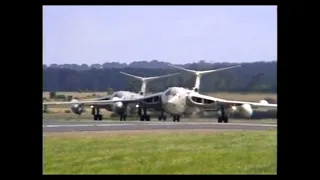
x: 149, y: 78
x: 205, y: 71
x: 198, y: 74
x: 160, y: 77
x: 184, y: 69
x: 135, y: 77
x: 216, y: 70
x: 145, y: 80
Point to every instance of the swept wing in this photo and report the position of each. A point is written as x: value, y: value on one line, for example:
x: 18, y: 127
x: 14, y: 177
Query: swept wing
x: 104, y: 102
x: 204, y: 101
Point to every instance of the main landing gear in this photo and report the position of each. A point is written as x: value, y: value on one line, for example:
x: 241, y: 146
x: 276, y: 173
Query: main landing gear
x: 224, y: 117
x: 162, y: 117
x: 143, y: 117
x: 123, y: 117
x: 96, y: 114
x: 124, y: 114
x: 176, y: 118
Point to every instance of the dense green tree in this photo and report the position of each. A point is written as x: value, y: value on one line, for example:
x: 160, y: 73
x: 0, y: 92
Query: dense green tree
x: 257, y: 76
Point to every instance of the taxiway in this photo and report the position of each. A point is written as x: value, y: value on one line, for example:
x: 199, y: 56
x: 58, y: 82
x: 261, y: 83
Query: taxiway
x: 65, y: 126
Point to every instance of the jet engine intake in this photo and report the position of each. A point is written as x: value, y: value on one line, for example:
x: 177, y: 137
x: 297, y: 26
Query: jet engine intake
x: 200, y: 102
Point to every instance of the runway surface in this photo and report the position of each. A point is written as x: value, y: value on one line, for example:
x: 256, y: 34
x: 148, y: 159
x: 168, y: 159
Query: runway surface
x: 65, y: 126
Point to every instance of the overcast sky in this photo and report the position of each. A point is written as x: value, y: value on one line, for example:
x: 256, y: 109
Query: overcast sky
x: 175, y: 34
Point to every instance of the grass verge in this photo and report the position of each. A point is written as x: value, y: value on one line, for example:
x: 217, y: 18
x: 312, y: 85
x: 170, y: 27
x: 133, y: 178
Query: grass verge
x: 164, y: 153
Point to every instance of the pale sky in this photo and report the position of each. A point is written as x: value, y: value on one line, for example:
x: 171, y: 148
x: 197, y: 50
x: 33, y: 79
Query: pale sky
x: 175, y: 34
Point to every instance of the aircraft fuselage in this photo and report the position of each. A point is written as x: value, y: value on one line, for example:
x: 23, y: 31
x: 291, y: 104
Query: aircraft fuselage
x: 118, y: 107
x: 174, y: 101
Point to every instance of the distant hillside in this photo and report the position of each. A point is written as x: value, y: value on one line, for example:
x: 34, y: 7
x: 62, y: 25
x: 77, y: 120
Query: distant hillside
x: 251, y: 77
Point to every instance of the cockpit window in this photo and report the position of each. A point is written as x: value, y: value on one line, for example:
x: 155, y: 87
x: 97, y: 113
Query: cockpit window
x: 168, y: 93
x: 174, y: 92
x: 119, y: 94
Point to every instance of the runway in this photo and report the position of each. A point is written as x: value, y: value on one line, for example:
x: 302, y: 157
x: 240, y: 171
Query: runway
x: 65, y: 126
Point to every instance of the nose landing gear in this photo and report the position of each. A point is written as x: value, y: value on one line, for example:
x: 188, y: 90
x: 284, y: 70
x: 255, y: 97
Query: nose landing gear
x: 162, y: 117
x: 96, y: 114
x: 144, y: 116
x: 123, y: 117
x: 176, y: 118
x: 124, y: 113
x: 224, y: 117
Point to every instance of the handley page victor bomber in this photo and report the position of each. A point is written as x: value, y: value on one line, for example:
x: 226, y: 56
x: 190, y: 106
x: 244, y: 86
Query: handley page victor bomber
x: 122, y: 109
x: 177, y: 101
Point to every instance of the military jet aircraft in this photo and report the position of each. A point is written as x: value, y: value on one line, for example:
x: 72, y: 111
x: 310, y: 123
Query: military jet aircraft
x: 122, y: 109
x: 178, y: 101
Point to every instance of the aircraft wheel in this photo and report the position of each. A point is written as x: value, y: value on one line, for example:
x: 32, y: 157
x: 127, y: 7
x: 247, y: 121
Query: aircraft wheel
x: 147, y: 118
x: 225, y: 119
x: 93, y: 111
x: 142, y: 118
x: 219, y: 119
x: 95, y: 117
x: 164, y: 118
x: 176, y: 118
x: 100, y: 117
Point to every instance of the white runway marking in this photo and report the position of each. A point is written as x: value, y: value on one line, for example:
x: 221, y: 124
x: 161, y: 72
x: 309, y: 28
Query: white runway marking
x: 156, y: 124
x: 84, y: 125
x: 209, y: 123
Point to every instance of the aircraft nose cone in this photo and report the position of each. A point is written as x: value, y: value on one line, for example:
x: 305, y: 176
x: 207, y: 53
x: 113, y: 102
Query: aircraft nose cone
x: 171, y: 102
x: 119, y: 104
x: 173, y: 105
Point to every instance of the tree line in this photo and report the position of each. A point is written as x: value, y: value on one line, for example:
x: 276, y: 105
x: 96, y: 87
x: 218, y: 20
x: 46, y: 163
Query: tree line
x: 251, y: 77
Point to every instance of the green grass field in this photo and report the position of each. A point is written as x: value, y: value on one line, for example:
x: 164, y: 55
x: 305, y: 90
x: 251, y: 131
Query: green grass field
x: 164, y: 153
